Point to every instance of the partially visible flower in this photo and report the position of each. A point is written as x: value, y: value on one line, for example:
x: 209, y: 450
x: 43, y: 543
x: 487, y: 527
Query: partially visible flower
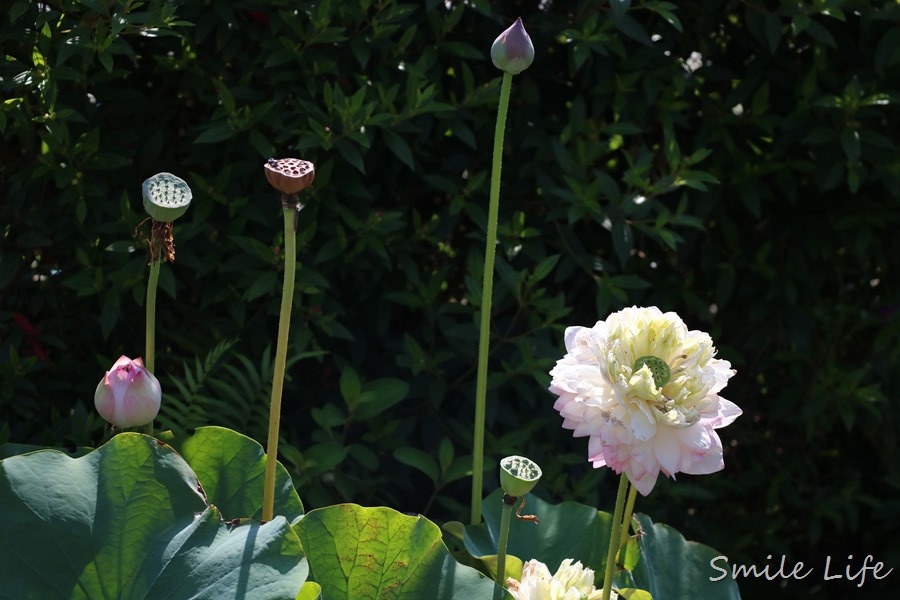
x: 513, y: 51
x: 289, y: 175
x: 570, y: 582
x: 646, y: 392
x: 128, y: 395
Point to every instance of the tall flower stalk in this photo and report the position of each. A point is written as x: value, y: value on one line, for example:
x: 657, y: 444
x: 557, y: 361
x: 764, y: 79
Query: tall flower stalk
x: 503, y: 541
x: 621, y: 521
x: 615, y: 537
x: 289, y: 176
x: 150, y: 319
x: 626, y: 519
x: 150, y: 343
x: 166, y: 197
x: 512, y: 52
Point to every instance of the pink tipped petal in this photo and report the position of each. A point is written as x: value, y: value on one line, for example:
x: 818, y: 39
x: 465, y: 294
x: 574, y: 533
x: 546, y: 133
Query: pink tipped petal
x: 645, y: 483
x: 723, y: 372
x: 667, y: 450
x: 710, y: 461
x: 569, y: 407
x: 121, y: 362
x: 696, y: 439
x: 728, y: 412
x: 584, y: 429
x: 571, y: 337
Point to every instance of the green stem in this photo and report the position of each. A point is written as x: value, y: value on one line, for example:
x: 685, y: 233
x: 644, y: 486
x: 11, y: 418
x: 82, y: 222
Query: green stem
x: 150, y: 341
x: 487, y: 289
x: 505, y: 517
x: 626, y: 520
x: 614, y: 537
x: 284, y: 325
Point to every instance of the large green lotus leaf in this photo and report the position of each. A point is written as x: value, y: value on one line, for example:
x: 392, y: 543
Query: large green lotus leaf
x: 231, y: 467
x: 672, y: 567
x: 130, y: 520
x: 358, y: 552
x: 567, y: 530
x: 11, y: 449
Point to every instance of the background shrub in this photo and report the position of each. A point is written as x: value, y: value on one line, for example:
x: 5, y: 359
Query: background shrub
x: 735, y: 162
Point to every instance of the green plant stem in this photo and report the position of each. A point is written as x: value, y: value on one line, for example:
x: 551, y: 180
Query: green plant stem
x: 626, y: 520
x: 150, y: 335
x: 615, y: 536
x: 284, y: 325
x: 505, y: 518
x: 487, y: 289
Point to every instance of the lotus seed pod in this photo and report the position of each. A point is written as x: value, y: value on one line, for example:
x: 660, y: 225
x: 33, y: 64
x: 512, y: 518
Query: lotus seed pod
x: 658, y: 368
x: 166, y: 197
x: 518, y: 475
x: 289, y: 175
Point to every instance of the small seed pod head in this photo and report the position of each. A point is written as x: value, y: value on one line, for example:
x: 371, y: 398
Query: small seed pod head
x: 289, y: 175
x: 518, y: 475
x: 513, y: 51
x: 658, y: 368
x: 166, y: 197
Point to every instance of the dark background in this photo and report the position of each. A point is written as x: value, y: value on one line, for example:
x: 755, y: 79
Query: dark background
x: 752, y: 188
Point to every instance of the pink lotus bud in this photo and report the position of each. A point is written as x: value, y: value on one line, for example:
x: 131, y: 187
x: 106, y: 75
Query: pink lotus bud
x: 128, y: 395
x: 513, y: 51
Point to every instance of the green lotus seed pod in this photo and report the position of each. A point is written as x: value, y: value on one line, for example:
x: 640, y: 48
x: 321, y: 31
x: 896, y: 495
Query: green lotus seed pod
x: 518, y: 475
x: 658, y: 367
x: 166, y: 197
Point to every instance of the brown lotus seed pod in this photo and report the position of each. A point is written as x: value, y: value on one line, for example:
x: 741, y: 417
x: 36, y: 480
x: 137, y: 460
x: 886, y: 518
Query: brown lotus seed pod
x: 289, y: 175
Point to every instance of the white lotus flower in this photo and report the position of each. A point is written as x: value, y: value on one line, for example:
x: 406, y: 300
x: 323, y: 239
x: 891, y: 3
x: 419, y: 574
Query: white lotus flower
x: 646, y: 392
x: 571, y: 582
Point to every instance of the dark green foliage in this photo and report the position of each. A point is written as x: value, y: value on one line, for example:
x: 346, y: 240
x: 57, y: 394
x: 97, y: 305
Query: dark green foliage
x: 752, y: 188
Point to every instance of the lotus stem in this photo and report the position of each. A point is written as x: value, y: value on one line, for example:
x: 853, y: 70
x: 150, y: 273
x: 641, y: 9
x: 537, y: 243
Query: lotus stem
x: 150, y: 335
x: 629, y: 510
x: 284, y: 325
x: 487, y: 289
x: 615, y: 536
x: 505, y: 518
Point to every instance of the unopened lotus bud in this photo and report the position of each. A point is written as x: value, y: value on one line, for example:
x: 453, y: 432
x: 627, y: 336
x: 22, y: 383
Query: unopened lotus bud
x: 166, y: 197
x: 128, y: 395
x: 289, y: 175
x: 513, y: 51
x: 518, y: 475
